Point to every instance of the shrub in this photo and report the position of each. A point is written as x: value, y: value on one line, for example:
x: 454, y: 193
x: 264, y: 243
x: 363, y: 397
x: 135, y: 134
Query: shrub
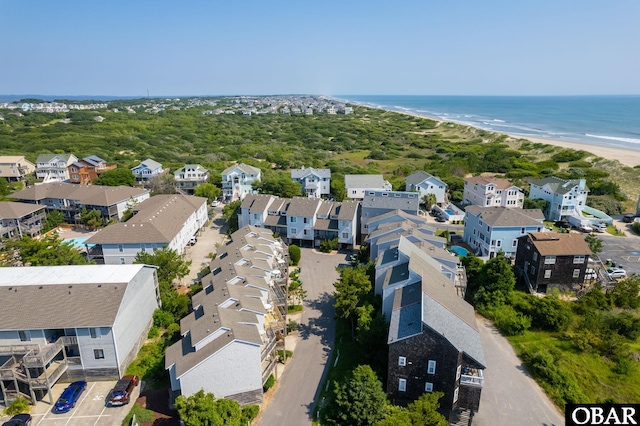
x: 141, y: 413
x: 635, y: 226
x: 18, y: 406
x: 510, y: 322
x: 249, y: 412
x: 327, y: 245
x: 281, y: 355
x: 294, y: 254
x: 162, y: 318
x: 269, y: 383
x: 292, y: 309
x: 153, y: 332
x: 567, y: 155
x: 292, y: 326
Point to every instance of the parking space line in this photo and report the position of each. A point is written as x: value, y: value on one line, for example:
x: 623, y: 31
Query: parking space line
x: 98, y: 419
x: 86, y: 393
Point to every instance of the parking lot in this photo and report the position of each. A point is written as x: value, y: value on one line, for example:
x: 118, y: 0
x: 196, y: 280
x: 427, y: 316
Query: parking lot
x: 89, y: 411
x: 624, y: 251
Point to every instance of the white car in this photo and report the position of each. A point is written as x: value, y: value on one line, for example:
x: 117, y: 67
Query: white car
x: 600, y: 227
x: 216, y: 203
x: 616, y: 273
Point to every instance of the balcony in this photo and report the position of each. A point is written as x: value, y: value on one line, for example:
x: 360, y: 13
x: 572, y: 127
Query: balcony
x: 472, y: 377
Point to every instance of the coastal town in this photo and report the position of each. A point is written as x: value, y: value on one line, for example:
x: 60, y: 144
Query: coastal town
x: 261, y: 267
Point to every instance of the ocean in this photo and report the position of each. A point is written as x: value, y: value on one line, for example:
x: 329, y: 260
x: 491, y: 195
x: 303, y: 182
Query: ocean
x: 598, y: 120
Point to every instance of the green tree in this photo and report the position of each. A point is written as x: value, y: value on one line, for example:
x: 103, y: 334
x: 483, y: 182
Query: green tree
x: 358, y: 400
x: 429, y: 200
x: 594, y: 243
x: 626, y: 293
x: 294, y: 254
x: 117, y: 177
x: 18, y: 406
x: 538, y: 203
x: 162, y: 184
x: 337, y: 188
x: 202, y: 409
x: 351, y: 287
x: 278, y: 184
x: 92, y: 218
x: 208, y: 190
x: 421, y: 412
x: 473, y: 266
x: 494, y: 282
x: 5, y: 188
x: 54, y: 218
x: 230, y: 213
x: 49, y: 251
x: 171, y: 265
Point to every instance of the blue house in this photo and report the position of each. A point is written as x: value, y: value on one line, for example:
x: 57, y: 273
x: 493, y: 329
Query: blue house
x: 490, y: 230
x: 146, y: 170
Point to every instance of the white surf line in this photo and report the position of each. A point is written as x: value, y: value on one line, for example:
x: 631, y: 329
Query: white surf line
x: 86, y: 393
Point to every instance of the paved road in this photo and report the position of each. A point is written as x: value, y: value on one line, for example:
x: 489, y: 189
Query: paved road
x: 625, y: 251
x: 510, y: 396
x: 299, y: 386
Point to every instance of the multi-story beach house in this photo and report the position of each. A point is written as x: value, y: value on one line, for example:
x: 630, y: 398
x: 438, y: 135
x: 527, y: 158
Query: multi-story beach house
x: 20, y: 219
x: 356, y: 185
x: 147, y: 170
x: 110, y: 201
x: 54, y: 167
x: 15, y: 168
x: 424, y: 183
x: 237, y: 181
x: 302, y: 221
x: 165, y: 220
x: 489, y: 230
x: 549, y: 259
x: 314, y: 182
x: 188, y: 177
x: 85, y: 322
x: 85, y: 170
x: 486, y: 191
x: 376, y: 203
x: 228, y: 344
x: 563, y: 197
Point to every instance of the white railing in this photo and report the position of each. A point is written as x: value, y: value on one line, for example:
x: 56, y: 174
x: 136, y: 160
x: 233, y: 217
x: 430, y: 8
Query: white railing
x: 472, y: 380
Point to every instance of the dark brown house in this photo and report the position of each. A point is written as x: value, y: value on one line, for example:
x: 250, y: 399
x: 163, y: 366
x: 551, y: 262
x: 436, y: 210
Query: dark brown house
x: 550, y: 259
x: 86, y: 170
x: 434, y: 346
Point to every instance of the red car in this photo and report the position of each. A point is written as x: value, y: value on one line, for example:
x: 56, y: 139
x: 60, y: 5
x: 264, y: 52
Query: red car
x: 121, y: 392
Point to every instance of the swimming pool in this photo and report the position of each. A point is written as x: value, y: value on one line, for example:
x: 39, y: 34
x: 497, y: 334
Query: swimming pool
x: 460, y: 251
x: 450, y: 212
x: 79, y: 242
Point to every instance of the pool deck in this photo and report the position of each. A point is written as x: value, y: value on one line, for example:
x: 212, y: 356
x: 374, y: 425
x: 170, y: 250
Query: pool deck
x: 66, y: 233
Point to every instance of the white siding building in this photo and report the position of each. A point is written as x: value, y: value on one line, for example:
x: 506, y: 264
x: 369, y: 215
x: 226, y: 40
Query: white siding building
x: 315, y: 182
x: 237, y: 181
x: 424, y: 183
x: 487, y: 191
x: 356, y: 185
x: 564, y: 197
x: 190, y: 176
x: 54, y: 167
x: 85, y: 321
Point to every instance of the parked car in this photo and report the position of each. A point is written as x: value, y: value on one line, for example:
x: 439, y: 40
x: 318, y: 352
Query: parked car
x: 69, y: 397
x: 585, y: 228
x: 600, y: 227
x: 628, y: 218
x: 121, y: 392
x: 562, y: 224
x: 215, y: 203
x: 19, y: 420
x: 616, y: 273
x: 440, y: 219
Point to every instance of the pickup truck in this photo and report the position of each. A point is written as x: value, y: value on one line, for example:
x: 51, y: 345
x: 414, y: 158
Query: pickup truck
x: 121, y: 392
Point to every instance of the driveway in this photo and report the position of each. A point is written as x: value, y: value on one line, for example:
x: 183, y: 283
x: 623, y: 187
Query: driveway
x: 625, y: 251
x: 89, y: 411
x: 295, y: 399
x: 510, y: 396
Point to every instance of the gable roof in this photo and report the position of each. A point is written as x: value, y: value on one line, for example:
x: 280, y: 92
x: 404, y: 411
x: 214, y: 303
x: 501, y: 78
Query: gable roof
x: 149, y: 164
x: 95, y: 195
x: 159, y: 219
x: 45, y: 158
x: 90, y: 294
x: 499, y: 183
x: 15, y: 210
x: 419, y: 177
x: 347, y: 209
x: 242, y: 167
x: 557, y: 185
x: 364, y: 181
x: 304, y: 207
x: 555, y: 244
x: 389, y: 202
x: 503, y: 216
x: 304, y: 172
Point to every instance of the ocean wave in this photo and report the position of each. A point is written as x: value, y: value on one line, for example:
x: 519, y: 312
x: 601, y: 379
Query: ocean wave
x: 614, y: 138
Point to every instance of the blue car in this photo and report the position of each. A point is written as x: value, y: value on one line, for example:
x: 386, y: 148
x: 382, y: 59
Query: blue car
x: 69, y: 397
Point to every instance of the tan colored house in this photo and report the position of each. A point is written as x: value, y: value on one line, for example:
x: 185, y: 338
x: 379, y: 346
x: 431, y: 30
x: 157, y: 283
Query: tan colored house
x: 15, y: 168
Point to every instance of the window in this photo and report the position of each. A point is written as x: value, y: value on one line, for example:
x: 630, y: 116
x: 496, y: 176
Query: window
x: 576, y: 273
x: 345, y: 235
x: 120, y: 248
x: 533, y: 270
x: 578, y: 259
x: 455, y: 395
x: 535, y: 256
x: 294, y: 219
x: 122, y: 262
x: 549, y: 260
x: 25, y: 336
x: 98, y: 353
x: 431, y: 368
x: 514, y: 243
x: 305, y: 220
x: 499, y: 243
x: 547, y: 273
x: 458, y: 372
x: 522, y: 231
x: 428, y: 387
x: 94, y: 332
x: 305, y: 232
x: 402, y: 385
x: 402, y: 361
x: 293, y: 231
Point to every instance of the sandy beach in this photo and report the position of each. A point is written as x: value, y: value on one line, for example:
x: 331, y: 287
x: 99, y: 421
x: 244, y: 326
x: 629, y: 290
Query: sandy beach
x: 628, y: 157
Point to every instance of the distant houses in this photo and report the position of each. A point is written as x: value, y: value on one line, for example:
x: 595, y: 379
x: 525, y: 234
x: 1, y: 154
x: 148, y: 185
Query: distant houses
x: 424, y: 183
x: 15, y: 168
x: 188, y: 177
x: 54, y: 167
x: 237, y: 181
x: 487, y: 191
x: 314, y: 182
x: 356, y: 185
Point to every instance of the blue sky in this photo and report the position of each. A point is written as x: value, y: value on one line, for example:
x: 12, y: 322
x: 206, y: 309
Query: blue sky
x: 424, y: 47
